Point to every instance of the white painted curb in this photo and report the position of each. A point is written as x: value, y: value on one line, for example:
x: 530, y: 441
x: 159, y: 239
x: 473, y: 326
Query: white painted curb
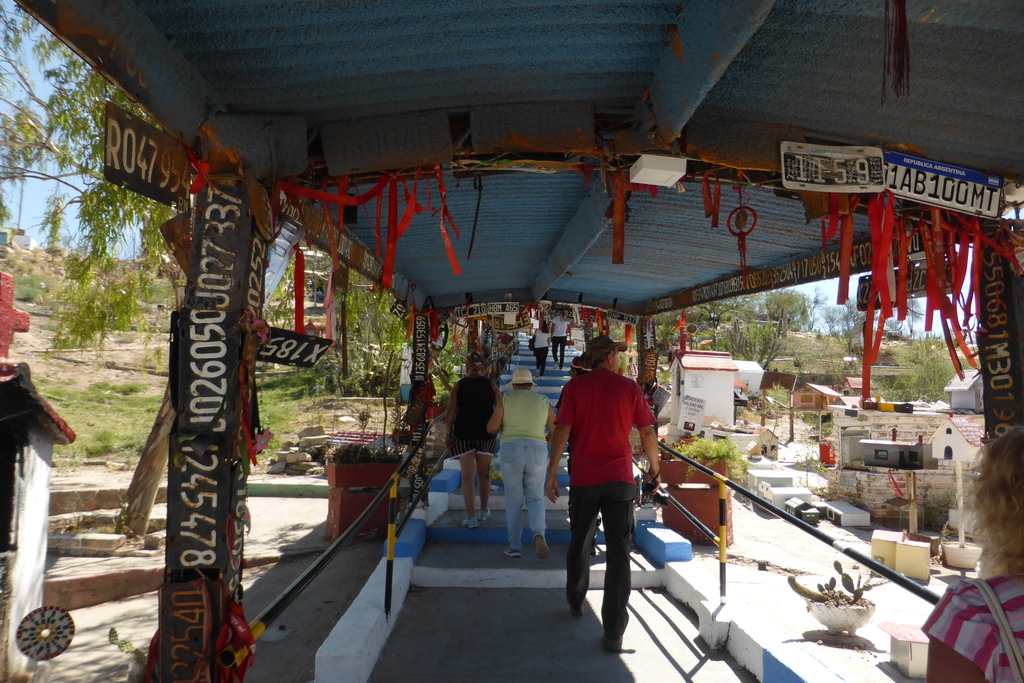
x: 356, y: 641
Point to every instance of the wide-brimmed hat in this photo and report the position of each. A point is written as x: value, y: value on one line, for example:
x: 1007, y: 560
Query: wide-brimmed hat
x: 598, y: 347
x: 522, y: 376
x: 476, y: 358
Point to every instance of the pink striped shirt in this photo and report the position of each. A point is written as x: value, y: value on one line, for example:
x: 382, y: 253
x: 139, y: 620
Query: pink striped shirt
x: 962, y: 621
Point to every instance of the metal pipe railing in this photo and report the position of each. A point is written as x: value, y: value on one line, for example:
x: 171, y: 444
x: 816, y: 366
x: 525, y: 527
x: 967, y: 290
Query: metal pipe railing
x: 229, y: 656
x: 842, y: 546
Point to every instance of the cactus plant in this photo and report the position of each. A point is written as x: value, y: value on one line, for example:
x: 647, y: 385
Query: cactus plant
x: 831, y: 593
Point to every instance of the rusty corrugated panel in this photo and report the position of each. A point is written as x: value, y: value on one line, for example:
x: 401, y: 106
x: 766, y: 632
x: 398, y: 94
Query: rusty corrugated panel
x: 533, y: 128
x: 420, y: 139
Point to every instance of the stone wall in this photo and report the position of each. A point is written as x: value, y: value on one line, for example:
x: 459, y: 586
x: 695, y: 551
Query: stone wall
x: 871, y: 487
x: 879, y: 425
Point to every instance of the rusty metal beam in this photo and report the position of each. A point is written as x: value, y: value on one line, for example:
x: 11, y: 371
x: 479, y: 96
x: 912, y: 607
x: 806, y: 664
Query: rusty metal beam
x: 579, y: 235
x: 707, y: 37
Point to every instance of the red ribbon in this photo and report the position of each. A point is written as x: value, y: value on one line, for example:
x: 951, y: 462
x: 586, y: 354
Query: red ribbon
x: 446, y: 217
x: 902, y: 295
x: 833, y: 215
x: 712, y: 199
x: 236, y: 633
x: 618, y: 217
x: 846, y: 251
x: 202, y: 172
x: 881, y: 218
x: 339, y: 199
x: 300, y: 290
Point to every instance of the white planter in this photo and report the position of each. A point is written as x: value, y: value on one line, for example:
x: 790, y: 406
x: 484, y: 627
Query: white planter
x: 848, y: 618
x: 965, y: 557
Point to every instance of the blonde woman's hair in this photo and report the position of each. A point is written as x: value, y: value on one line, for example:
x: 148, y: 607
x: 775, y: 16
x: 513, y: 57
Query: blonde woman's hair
x: 998, y: 495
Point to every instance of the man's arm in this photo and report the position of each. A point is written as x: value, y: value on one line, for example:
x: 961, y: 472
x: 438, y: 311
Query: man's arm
x: 558, y: 441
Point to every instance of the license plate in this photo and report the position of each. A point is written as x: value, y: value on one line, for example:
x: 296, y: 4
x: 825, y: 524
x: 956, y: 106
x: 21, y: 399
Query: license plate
x: 943, y: 185
x: 285, y: 347
x: 823, y: 168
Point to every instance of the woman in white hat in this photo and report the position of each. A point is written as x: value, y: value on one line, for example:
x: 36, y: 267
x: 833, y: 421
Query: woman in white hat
x: 522, y: 417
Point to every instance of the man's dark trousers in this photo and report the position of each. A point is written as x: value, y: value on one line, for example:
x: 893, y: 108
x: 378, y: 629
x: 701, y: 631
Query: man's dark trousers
x: 615, y: 501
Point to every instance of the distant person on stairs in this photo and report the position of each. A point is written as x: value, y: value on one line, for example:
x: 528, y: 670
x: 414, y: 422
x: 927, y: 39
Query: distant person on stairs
x: 559, y: 336
x: 600, y: 409
x: 540, y: 346
x: 522, y: 417
x: 470, y: 407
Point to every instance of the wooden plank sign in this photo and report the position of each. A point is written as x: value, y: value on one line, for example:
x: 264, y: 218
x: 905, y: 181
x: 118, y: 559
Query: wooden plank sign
x: 199, y: 477
x: 285, y: 347
x: 192, y: 613
x: 145, y: 159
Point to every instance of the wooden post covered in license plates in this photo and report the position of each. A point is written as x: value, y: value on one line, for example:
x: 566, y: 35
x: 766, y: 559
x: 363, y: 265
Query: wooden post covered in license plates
x: 213, y: 362
x: 420, y: 395
x: 1001, y: 343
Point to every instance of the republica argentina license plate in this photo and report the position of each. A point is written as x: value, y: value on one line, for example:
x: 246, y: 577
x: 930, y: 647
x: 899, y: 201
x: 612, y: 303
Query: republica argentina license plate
x: 938, y: 184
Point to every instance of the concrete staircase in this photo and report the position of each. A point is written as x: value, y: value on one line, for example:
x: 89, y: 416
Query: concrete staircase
x: 447, y: 508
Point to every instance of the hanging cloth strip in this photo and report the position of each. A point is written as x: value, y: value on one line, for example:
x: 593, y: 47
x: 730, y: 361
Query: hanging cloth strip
x: 236, y: 633
x: 446, y: 217
x: 712, y: 198
x: 895, y: 486
x: 342, y: 200
x: 618, y: 217
x: 900, y: 229
x: 846, y: 250
x: 202, y: 172
x: 300, y: 291
x: 881, y: 219
x: 628, y: 337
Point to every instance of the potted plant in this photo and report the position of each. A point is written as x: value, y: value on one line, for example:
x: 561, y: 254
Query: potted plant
x: 959, y: 554
x: 698, y: 492
x: 357, y: 465
x: 838, y: 610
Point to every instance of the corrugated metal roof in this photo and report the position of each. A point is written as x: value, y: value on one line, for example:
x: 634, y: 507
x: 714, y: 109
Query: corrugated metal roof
x: 313, y: 87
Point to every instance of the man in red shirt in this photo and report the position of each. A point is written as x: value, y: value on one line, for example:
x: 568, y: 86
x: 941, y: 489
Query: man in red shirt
x: 600, y: 409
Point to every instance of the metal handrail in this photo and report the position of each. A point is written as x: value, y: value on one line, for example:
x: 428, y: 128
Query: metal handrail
x: 231, y: 657
x: 842, y: 546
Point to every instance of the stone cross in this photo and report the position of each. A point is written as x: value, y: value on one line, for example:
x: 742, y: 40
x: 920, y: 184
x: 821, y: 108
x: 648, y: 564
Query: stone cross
x: 11, y: 319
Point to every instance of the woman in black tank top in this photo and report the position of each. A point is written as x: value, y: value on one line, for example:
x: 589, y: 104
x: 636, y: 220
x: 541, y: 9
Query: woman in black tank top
x: 469, y: 408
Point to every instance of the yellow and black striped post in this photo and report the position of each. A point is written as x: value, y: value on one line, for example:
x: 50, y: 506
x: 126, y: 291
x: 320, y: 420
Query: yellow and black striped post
x: 723, y: 534
x: 392, y: 519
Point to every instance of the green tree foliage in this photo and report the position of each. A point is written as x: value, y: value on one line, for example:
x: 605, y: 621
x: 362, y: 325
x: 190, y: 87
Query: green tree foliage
x: 927, y: 369
x: 57, y: 137
x: 846, y: 323
x: 754, y: 327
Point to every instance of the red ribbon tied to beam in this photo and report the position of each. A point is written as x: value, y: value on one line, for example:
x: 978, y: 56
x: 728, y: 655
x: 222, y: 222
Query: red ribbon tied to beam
x: 712, y: 198
x: 618, y: 217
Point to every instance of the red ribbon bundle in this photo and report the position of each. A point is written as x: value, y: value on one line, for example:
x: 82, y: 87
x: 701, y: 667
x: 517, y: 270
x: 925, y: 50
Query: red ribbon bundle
x: 396, y: 227
x: 618, y: 217
x: 237, y: 634
x: 846, y: 250
x: 300, y: 290
x: 712, y: 198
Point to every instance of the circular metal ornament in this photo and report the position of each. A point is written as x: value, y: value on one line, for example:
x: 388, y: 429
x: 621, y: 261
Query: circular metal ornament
x: 45, y: 632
